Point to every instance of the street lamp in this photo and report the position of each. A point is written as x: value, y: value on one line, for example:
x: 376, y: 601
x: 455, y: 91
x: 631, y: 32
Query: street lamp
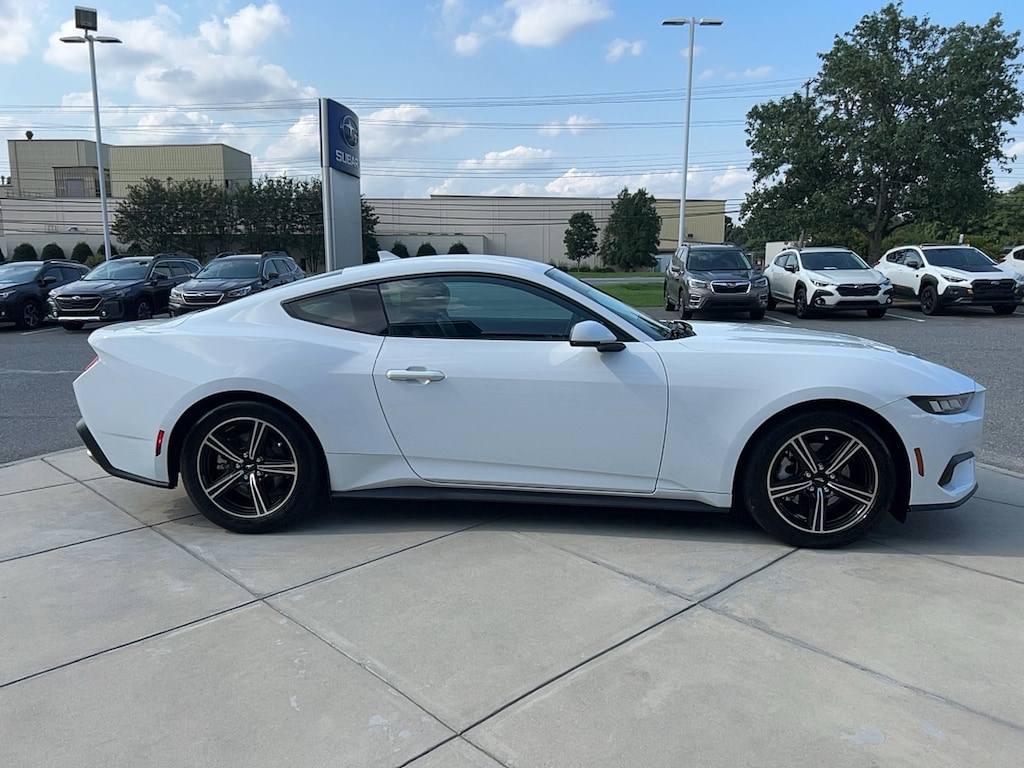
x: 693, y: 22
x: 85, y: 20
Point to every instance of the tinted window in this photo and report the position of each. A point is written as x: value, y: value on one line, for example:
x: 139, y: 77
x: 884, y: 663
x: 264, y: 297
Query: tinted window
x: 121, y: 269
x: 226, y: 269
x: 717, y: 259
x: 958, y: 257
x: 18, y: 272
x: 352, y: 309
x: 833, y: 260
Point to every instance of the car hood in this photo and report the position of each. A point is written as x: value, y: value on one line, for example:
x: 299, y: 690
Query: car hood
x: 723, y: 274
x: 217, y: 284
x: 974, y: 270
x: 9, y: 284
x: 815, y: 358
x: 93, y: 286
x: 846, y: 276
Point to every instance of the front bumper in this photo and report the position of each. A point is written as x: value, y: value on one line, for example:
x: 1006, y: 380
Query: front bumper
x: 700, y: 299
x: 982, y: 295
x: 100, y: 311
x: 849, y: 297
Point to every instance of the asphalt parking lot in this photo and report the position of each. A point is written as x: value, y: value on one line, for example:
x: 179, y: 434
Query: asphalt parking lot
x: 382, y: 635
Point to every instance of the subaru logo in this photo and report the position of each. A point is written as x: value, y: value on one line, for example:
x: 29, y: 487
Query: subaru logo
x: 350, y: 131
x: 75, y: 298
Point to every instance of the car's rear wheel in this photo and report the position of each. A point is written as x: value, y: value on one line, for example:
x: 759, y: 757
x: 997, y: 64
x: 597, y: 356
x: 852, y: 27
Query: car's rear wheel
x: 876, y: 312
x: 251, y: 468
x: 31, y: 315
x: 143, y: 310
x: 670, y: 303
x: 800, y: 303
x: 1004, y: 309
x: 929, y: 299
x: 819, y: 479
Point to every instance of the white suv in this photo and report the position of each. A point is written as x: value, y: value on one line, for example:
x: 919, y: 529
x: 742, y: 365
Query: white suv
x: 1015, y: 260
x: 826, y: 278
x: 940, y: 276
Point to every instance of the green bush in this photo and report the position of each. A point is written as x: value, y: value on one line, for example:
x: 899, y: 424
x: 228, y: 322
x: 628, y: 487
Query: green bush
x: 584, y: 268
x: 25, y: 252
x: 426, y: 249
x: 53, y: 251
x: 458, y: 247
x: 102, y: 253
x: 398, y: 248
x: 96, y: 258
x: 81, y: 252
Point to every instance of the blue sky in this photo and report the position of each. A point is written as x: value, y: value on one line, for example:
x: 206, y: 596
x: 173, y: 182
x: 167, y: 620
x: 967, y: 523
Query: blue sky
x: 505, y: 97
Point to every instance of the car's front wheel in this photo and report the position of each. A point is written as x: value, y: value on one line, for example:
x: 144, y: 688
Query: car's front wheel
x: 684, y: 306
x: 929, y: 299
x: 877, y: 312
x: 800, y: 303
x: 1004, y: 309
x: 819, y: 479
x: 30, y: 317
x: 251, y: 468
x: 72, y: 325
x: 757, y: 314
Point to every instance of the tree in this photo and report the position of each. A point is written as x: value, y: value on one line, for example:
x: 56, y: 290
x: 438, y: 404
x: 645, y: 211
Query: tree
x: 426, y: 249
x: 458, y: 247
x: 81, y: 252
x: 370, y: 220
x: 52, y: 251
x: 904, y: 122
x: 25, y: 252
x: 399, y: 249
x: 101, y: 252
x: 631, y: 236
x: 580, y: 237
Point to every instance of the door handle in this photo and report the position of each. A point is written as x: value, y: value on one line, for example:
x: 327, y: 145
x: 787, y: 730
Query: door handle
x: 414, y: 374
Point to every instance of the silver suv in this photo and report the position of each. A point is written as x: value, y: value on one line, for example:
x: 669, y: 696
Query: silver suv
x: 703, y: 276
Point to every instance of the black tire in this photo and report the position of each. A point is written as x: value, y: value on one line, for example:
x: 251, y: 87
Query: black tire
x: 30, y: 316
x: 757, y: 314
x: 684, y: 310
x: 251, y: 468
x: 800, y: 303
x: 1004, y: 309
x: 929, y: 299
x: 877, y: 312
x: 72, y: 325
x: 669, y: 304
x: 819, y: 479
x: 143, y: 309
x: 772, y: 303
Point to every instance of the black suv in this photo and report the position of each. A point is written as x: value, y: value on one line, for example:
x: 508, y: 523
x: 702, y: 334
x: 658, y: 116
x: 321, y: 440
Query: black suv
x: 231, y: 276
x: 714, y: 276
x: 25, y: 285
x: 123, y: 288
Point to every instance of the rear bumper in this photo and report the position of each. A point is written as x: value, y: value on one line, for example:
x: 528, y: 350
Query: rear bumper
x: 97, y: 455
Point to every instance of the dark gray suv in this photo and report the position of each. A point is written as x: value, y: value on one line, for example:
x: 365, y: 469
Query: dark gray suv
x: 705, y: 276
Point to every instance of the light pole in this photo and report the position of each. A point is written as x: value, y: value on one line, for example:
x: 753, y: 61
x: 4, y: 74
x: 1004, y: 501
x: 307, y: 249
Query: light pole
x: 693, y: 22
x: 85, y: 20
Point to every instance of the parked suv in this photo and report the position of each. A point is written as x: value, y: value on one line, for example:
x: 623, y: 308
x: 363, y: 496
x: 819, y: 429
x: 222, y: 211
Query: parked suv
x: 26, y: 285
x: 231, y: 276
x: 1014, y: 259
x: 705, y: 276
x: 826, y: 278
x: 123, y: 288
x: 940, y: 276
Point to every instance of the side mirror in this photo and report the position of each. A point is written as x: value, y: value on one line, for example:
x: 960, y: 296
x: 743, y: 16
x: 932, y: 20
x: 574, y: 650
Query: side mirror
x: 49, y: 280
x: 913, y: 263
x: 790, y: 267
x: 273, y: 276
x: 589, y: 333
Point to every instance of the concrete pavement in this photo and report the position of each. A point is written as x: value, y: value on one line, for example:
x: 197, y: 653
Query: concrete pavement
x: 134, y: 633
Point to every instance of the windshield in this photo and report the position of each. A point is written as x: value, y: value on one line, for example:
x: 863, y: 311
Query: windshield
x: 717, y: 260
x: 958, y: 257
x: 833, y: 260
x: 120, y: 269
x: 655, y: 329
x: 19, y: 272
x: 228, y: 269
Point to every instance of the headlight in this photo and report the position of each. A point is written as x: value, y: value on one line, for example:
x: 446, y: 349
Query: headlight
x: 693, y: 282
x: 176, y: 292
x: 761, y: 282
x: 238, y: 292
x: 822, y: 283
x: 953, y: 278
x: 945, y: 405
x: 886, y: 284
x: 5, y: 295
x: 120, y: 294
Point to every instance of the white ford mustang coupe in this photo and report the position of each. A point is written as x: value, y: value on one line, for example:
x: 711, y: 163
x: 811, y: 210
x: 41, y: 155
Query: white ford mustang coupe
x: 491, y: 377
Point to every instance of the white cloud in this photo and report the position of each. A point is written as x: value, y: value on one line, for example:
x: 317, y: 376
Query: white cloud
x: 577, y: 183
x: 397, y: 129
x: 1015, y: 150
x: 733, y: 184
x: 575, y: 125
x: 546, y: 23
x: 758, y: 72
x: 247, y: 30
x: 469, y: 43
x: 519, y: 157
x: 619, y: 47
x: 16, y: 30
x: 707, y: 74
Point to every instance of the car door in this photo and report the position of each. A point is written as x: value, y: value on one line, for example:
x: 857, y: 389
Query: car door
x: 784, y: 278
x: 496, y: 395
x: 904, y: 277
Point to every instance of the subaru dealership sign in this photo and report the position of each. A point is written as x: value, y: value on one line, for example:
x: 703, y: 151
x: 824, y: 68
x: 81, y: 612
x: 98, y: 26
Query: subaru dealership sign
x: 339, y: 161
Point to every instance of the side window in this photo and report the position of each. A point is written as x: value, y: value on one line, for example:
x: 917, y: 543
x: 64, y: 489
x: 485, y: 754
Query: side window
x: 356, y: 309
x: 780, y: 260
x: 162, y: 271
x: 477, y: 307
x: 178, y: 269
x: 896, y: 257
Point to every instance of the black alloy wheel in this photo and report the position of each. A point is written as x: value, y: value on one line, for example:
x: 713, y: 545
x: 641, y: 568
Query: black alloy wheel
x: 143, y: 310
x: 877, y: 312
x: 31, y: 315
x: 929, y: 299
x: 251, y: 468
x: 684, y: 306
x: 800, y: 303
x: 1004, y: 309
x: 821, y: 479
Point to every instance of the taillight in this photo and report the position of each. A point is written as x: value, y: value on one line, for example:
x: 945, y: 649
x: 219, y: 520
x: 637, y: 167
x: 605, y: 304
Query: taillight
x: 159, y: 442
